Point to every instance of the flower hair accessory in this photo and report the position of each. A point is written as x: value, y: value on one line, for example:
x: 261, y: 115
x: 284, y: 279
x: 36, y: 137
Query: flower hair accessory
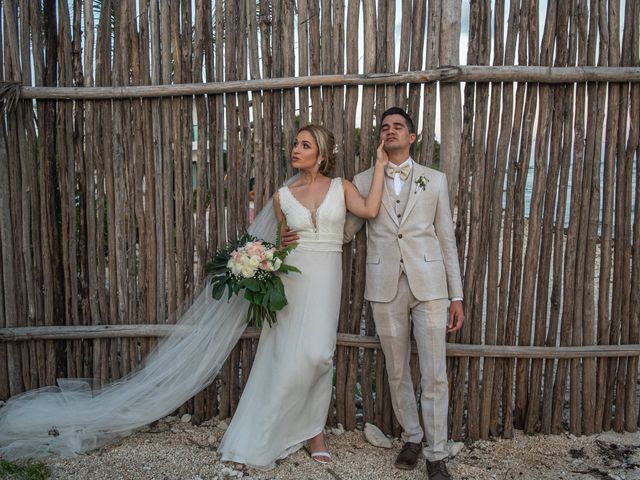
x: 421, y: 183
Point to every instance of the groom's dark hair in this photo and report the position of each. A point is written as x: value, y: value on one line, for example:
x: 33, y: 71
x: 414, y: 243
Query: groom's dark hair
x: 403, y: 114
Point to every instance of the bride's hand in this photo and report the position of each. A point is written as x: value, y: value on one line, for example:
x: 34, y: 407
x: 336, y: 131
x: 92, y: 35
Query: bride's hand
x: 382, y: 158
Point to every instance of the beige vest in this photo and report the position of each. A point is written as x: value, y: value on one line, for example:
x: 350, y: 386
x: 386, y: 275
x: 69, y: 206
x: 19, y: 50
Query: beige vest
x: 400, y: 200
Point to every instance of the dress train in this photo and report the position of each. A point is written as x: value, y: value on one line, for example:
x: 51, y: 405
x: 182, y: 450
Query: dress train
x: 73, y: 417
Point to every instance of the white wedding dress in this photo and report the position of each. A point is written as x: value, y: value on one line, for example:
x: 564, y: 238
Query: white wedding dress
x: 287, y: 396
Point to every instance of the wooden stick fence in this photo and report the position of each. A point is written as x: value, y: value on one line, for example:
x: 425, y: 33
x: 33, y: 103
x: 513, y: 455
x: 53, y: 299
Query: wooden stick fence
x: 129, y: 135
x: 344, y: 340
x: 445, y: 74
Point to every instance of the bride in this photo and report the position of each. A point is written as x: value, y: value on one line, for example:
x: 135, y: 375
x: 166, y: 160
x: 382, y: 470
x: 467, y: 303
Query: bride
x: 285, y: 402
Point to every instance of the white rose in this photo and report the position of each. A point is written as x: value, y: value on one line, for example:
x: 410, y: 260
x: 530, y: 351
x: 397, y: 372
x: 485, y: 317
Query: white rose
x: 244, y: 260
x: 254, y: 261
x: 248, y: 272
x: 234, y: 267
x: 276, y: 263
x: 268, y: 255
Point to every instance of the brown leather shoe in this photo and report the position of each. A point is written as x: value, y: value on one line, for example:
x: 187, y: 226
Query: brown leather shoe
x: 408, y: 457
x: 437, y: 470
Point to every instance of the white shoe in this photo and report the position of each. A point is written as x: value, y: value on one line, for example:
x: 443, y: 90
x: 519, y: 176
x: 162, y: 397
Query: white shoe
x: 318, y: 457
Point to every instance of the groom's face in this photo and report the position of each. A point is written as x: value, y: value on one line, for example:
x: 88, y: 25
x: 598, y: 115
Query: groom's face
x: 395, y: 133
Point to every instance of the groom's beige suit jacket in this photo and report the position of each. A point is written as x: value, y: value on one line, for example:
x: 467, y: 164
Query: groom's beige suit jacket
x: 419, y: 240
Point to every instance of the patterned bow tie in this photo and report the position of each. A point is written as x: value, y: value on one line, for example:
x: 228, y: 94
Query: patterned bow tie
x: 403, y: 171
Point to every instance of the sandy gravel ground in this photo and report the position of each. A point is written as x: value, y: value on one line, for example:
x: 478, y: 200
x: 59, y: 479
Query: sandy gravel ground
x: 171, y: 449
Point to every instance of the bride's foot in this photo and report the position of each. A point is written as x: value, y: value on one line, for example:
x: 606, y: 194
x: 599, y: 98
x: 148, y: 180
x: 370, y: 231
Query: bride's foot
x: 318, y: 450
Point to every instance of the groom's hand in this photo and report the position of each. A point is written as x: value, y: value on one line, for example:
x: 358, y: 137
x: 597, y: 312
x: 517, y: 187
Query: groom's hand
x: 456, y: 316
x: 288, y: 236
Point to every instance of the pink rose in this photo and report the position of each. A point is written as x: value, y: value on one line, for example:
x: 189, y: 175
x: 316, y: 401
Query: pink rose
x: 255, y: 249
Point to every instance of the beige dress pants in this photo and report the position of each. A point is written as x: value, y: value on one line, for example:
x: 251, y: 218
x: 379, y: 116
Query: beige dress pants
x: 392, y: 321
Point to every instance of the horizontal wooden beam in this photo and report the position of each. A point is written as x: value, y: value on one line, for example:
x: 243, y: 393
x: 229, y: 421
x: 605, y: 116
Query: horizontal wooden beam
x: 468, y: 73
x: 509, y: 351
x: 85, y: 332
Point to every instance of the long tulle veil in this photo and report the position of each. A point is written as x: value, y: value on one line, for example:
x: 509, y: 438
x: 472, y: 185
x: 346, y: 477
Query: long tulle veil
x: 74, y: 418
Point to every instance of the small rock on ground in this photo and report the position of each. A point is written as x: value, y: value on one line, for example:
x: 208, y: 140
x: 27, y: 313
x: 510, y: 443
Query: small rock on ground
x: 375, y: 436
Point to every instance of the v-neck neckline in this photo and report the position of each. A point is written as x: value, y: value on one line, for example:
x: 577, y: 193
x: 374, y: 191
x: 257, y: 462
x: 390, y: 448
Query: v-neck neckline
x: 324, y: 199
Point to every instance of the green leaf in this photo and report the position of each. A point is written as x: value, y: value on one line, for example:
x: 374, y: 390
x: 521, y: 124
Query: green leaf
x: 288, y: 268
x: 283, y: 252
x: 218, y: 290
x: 277, y: 284
x: 250, y: 296
x: 251, y: 284
x: 277, y: 300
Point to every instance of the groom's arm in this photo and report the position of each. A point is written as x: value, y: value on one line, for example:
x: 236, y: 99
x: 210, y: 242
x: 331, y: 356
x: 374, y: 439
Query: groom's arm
x: 288, y: 236
x: 446, y: 236
x: 445, y: 232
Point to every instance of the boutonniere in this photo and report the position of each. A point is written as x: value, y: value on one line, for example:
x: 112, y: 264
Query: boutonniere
x: 421, y: 183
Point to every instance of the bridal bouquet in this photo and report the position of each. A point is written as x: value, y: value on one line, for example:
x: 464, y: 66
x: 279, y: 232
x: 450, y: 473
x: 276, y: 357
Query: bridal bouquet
x: 251, y: 264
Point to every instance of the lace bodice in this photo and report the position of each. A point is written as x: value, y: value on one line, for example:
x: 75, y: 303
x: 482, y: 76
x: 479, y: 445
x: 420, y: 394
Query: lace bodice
x: 320, y: 230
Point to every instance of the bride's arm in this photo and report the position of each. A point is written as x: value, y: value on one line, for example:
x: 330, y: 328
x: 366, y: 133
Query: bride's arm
x: 369, y: 206
x: 276, y: 208
x: 287, y: 237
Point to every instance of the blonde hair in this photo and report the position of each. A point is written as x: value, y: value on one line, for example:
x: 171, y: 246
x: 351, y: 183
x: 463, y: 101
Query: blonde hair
x: 326, y: 146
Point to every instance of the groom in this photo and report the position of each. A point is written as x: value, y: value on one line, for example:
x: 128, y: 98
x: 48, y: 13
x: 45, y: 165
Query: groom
x: 413, y: 275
